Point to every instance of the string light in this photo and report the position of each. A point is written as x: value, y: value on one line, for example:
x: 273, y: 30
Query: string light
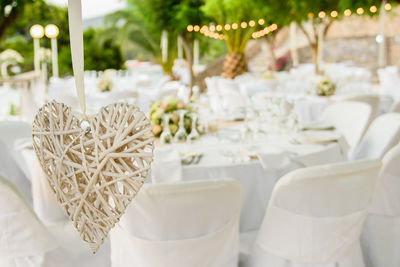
x: 210, y: 31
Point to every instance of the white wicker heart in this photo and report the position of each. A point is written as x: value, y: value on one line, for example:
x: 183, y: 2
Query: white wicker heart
x: 94, y: 172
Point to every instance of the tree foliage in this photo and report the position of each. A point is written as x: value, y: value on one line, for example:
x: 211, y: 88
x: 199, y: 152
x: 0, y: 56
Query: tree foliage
x: 17, y: 37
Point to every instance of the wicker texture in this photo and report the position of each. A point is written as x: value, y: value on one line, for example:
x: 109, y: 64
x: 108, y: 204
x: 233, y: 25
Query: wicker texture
x: 96, y: 172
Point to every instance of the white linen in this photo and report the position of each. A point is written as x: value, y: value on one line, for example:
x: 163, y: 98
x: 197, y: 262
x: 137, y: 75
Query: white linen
x: 181, y: 224
x: 166, y: 166
x: 382, y: 135
x: 231, y: 160
x: 308, y: 224
x: 381, y: 235
x: 351, y: 119
x: 21, y: 234
x: 11, y: 171
x: 10, y: 132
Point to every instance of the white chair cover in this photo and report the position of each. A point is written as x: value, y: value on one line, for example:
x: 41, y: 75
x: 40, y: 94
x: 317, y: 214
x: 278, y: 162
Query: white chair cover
x: 180, y: 224
x: 372, y: 100
x: 382, y: 135
x: 10, y: 169
x: 381, y: 234
x: 10, y: 132
x: 395, y: 107
x: 316, y: 215
x: 351, y: 119
x: 23, y: 239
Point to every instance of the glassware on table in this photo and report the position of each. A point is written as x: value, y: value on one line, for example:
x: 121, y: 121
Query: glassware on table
x: 181, y: 134
x: 194, y: 134
x: 166, y: 135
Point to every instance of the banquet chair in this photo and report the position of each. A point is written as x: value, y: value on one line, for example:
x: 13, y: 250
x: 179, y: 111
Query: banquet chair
x: 395, y: 107
x: 350, y: 118
x: 180, y: 224
x: 10, y: 133
x: 23, y: 239
x: 381, y: 136
x: 315, y: 217
x: 380, y: 239
x: 372, y: 100
x: 26, y: 242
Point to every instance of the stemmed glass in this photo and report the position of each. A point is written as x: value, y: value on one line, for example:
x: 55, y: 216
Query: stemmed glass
x: 166, y: 135
x: 181, y: 134
x: 194, y: 134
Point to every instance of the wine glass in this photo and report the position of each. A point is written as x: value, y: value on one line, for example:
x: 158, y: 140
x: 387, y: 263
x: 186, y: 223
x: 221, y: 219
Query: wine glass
x: 181, y: 134
x: 166, y: 135
x: 194, y: 134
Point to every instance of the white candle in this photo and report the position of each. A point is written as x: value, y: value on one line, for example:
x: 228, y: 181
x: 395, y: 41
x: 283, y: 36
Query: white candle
x: 293, y: 44
x: 196, y: 52
x: 382, y: 43
x: 180, y: 50
x: 164, y: 46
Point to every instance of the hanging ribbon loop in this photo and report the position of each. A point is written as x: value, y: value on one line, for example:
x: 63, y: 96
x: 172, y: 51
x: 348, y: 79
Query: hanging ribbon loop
x: 76, y: 40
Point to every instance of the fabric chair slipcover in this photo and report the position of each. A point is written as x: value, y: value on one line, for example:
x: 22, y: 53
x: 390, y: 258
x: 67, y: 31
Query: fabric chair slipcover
x: 395, y: 107
x: 382, y: 135
x: 351, y: 119
x: 23, y: 238
x: 381, y: 235
x: 10, y: 132
x: 315, y: 217
x: 372, y: 100
x: 180, y: 224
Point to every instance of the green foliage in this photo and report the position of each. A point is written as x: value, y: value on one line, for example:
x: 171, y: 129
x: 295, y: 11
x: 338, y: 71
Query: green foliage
x: 234, y: 11
x: 17, y: 37
x: 101, y: 56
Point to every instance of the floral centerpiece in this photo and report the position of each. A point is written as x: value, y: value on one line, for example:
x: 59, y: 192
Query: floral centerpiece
x: 9, y: 57
x: 325, y: 87
x: 169, y: 105
x: 105, y: 83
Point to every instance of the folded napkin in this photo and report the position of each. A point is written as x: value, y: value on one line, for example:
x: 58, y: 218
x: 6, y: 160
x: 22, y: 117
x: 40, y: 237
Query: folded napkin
x: 166, y: 167
x: 273, y: 158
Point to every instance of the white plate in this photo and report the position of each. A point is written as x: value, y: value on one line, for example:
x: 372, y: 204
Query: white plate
x: 317, y: 137
x: 317, y: 126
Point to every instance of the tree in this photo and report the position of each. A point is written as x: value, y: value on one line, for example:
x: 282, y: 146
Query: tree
x: 274, y: 12
x: 11, y: 10
x: 142, y: 22
x: 17, y: 37
x: 184, y: 13
x: 234, y: 12
x: 320, y: 14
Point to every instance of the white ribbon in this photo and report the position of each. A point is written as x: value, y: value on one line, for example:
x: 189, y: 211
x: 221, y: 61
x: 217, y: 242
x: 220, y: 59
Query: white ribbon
x: 76, y: 39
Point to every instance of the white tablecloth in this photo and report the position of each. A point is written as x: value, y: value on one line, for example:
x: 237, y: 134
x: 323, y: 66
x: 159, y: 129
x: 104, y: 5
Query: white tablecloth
x: 229, y: 161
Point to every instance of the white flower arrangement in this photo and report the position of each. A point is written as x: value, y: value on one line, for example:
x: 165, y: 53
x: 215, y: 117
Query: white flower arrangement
x: 325, y: 87
x: 105, y: 83
x: 45, y: 54
x: 11, y: 56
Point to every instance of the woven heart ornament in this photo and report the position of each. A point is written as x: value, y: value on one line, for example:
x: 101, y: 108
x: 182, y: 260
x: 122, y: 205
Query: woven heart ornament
x: 95, y: 167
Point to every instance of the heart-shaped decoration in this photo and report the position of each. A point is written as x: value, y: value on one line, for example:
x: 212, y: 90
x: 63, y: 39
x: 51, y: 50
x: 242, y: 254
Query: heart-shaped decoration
x: 95, y: 169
